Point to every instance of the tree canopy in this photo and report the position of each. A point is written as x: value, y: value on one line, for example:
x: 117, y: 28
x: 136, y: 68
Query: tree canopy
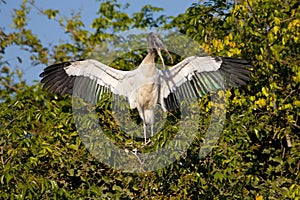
x: 256, y: 157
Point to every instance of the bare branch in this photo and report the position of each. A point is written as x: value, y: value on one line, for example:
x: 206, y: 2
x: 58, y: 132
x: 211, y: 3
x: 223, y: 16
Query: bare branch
x: 10, y: 86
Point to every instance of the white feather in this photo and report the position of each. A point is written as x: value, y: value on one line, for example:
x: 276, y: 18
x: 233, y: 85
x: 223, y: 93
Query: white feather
x: 103, y: 74
x: 172, y: 78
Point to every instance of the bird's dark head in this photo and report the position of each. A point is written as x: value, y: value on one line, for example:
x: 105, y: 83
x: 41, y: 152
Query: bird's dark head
x: 155, y: 43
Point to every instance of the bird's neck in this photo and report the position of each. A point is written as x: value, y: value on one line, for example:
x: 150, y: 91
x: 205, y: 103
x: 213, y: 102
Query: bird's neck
x: 149, y: 58
x: 148, y: 64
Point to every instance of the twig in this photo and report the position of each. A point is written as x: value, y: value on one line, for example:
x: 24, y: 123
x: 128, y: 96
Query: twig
x: 41, y: 11
x: 288, y: 140
x: 254, y: 15
x: 10, y: 86
x: 297, y: 126
x: 288, y: 96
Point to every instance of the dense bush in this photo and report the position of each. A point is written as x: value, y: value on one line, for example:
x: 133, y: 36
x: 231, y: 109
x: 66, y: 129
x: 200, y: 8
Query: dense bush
x: 258, y: 153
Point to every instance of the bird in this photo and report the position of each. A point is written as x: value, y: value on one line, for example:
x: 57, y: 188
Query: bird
x: 147, y: 85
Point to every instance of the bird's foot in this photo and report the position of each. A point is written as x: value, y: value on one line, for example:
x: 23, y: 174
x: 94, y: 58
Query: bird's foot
x: 147, y: 141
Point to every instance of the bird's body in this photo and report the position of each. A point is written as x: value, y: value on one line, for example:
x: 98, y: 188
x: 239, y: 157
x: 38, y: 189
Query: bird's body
x: 147, y: 86
x: 144, y: 95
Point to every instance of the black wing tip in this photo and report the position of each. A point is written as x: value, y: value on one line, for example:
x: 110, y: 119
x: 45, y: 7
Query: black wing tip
x: 236, y: 62
x: 54, y: 67
x: 236, y: 70
x: 56, y: 80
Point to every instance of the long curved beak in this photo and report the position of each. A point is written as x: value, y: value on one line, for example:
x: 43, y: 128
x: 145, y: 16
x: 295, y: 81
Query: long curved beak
x: 154, y: 42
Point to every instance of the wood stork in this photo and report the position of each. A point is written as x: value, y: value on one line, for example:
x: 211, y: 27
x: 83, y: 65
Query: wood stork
x: 146, y: 86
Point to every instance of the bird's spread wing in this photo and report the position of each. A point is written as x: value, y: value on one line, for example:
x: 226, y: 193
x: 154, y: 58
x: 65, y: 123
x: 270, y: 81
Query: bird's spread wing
x: 196, y: 76
x: 89, y: 76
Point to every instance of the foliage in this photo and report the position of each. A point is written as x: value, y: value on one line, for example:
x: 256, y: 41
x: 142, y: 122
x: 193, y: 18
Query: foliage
x: 258, y: 154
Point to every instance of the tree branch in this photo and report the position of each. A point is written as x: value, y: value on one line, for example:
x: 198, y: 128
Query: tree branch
x: 10, y: 86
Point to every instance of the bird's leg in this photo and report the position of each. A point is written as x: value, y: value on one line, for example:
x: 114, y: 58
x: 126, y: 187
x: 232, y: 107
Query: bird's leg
x: 151, y: 129
x: 145, y: 133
